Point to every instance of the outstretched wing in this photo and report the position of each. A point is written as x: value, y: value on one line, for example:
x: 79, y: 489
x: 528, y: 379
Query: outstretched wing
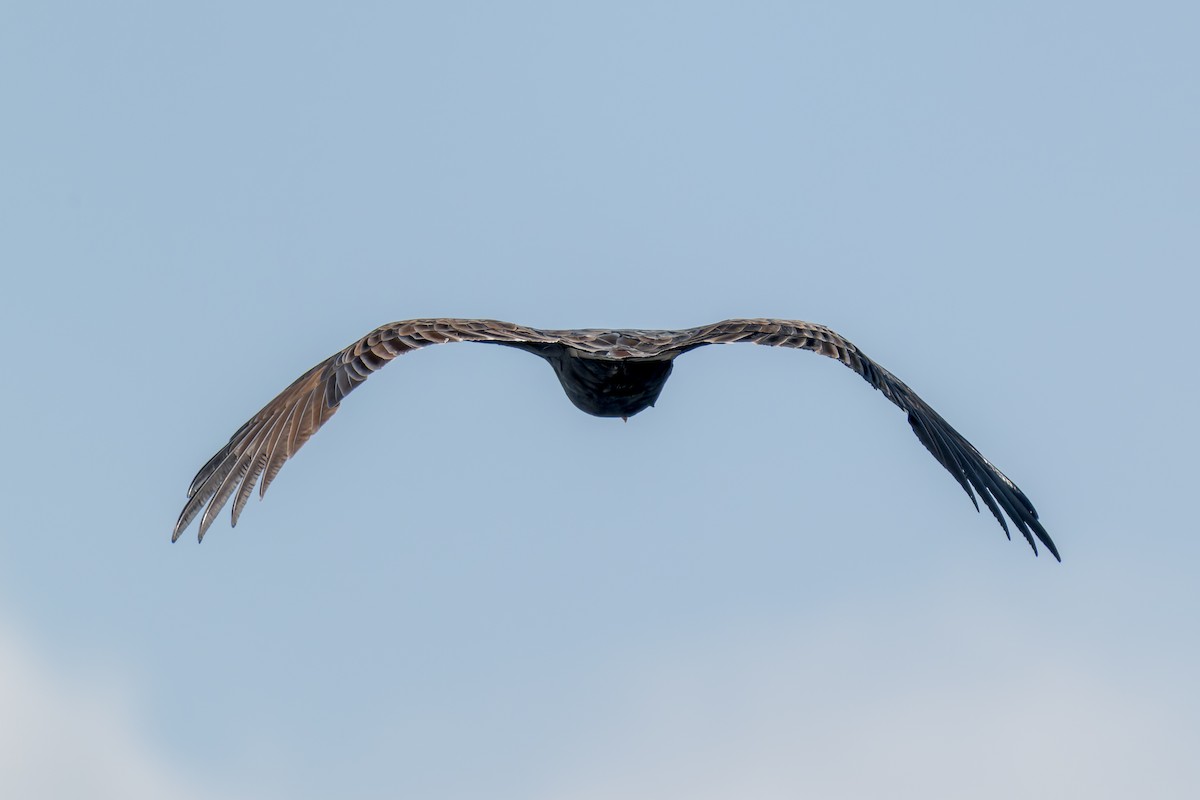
x: 948, y: 446
x: 274, y: 434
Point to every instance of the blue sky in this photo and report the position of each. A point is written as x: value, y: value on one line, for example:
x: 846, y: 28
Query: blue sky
x: 464, y: 587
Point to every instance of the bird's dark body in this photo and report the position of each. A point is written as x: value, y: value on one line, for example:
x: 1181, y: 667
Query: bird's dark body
x: 606, y: 387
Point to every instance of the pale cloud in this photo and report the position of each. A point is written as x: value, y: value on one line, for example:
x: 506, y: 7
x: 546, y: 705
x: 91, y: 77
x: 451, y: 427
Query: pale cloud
x: 76, y: 736
x: 859, y: 710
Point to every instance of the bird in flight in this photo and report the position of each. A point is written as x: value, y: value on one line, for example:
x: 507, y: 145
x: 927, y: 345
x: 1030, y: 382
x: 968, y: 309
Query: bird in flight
x: 607, y: 373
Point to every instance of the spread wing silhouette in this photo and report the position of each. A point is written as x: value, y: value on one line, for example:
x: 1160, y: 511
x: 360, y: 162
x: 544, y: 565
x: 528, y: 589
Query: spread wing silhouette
x: 604, y: 372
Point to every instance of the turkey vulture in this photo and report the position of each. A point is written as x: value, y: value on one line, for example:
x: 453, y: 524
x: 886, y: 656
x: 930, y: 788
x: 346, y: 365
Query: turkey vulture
x: 607, y: 373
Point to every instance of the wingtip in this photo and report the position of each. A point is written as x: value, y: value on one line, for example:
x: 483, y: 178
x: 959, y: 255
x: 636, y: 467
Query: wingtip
x: 1047, y: 542
x: 1053, y: 550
